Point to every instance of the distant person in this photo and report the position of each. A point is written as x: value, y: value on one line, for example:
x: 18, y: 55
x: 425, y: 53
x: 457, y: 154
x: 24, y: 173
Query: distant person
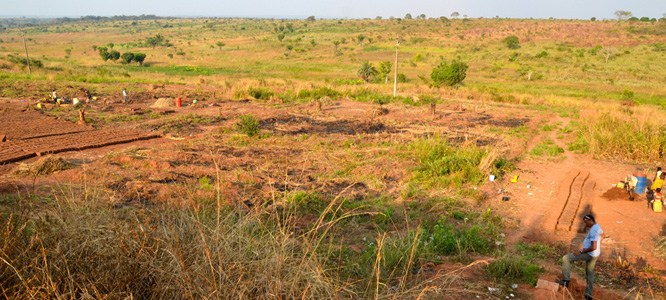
x: 54, y: 95
x: 125, y: 97
x: 89, y: 96
x: 657, y: 173
x: 589, y: 254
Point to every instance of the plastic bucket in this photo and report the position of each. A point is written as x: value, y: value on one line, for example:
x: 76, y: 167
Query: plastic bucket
x: 640, y: 183
x: 179, y: 102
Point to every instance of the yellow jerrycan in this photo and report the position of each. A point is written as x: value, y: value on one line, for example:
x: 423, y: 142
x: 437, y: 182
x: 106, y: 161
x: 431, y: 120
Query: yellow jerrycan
x: 656, y: 206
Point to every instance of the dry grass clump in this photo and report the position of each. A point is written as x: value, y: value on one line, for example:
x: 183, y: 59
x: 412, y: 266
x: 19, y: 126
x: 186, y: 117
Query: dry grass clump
x: 45, y: 166
x: 159, y: 254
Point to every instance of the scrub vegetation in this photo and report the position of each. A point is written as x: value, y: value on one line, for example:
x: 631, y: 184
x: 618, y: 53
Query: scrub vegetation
x: 301, y: 204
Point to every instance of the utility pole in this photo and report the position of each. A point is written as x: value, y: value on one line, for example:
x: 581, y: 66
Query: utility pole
x: 395, y: 81
x: 27, y: 59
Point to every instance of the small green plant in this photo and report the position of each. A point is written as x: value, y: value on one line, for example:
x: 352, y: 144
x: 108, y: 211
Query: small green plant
x: 547, y: 147
x: 627, y: 95
x: 514, y: 269
x: 205, y: 184
x: 248, y: 124
x: 536, y: 251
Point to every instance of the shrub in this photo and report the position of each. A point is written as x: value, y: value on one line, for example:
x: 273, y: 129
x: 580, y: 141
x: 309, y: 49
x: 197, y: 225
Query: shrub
x: 140, y: 57
x: 511, y: 42
x: 127, y: 57
x: 440, y: 164
x: 627, y: 95
x: 19, y: 60
x: 249, y: 125
x: 318, y: 93
x: 542, y: 54
x: 260, y: 93
x: 447, y: 241
x: 449, y: 74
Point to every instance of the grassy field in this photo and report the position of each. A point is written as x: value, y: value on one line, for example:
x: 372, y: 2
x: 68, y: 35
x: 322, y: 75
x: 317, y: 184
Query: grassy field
x: 288, y: 204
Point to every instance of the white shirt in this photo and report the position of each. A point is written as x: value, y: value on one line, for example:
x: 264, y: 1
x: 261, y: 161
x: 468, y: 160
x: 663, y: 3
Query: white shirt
x: 594, y: 235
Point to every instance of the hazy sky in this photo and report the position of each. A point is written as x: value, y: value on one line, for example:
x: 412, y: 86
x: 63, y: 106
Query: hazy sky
x: 560, y: 9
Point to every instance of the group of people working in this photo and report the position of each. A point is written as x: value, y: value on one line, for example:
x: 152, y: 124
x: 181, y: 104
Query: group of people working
x: 86, y: 94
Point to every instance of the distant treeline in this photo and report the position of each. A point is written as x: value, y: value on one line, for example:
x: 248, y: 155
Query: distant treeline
x: 28, y: 22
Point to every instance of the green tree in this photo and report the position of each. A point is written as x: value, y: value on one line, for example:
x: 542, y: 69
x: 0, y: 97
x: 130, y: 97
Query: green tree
x: 511, y: 42
x: 139, y: 57
x: 289, y: 48
x: 156, y: 40
x: 360, y: 38
x: 220, y: 44
x: 127, y: 57
x: 455, y: 14
x: 366, y: 71
x: 385, y: 69
x: 311, y: 18
x: 114, y: 55
x: 104, y: 53
x: 449, y: 74
x: 280, y: 37
x: 336, y: 43
x: 408, y: 16
x: 623, y: 15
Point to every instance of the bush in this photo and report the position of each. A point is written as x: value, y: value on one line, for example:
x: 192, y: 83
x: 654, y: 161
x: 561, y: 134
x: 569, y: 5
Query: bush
x: 140, y: 57
x: 248, y: 124
x: 19, y: 60
x: 127, y: 57
x: 318, y: 93
x: 542, y: 54
x: 627, y: 95
x: 448, y: 241
x: 260, y: 93
x: 449, y: 74
x: 511, y: 42
x: 440, y: 164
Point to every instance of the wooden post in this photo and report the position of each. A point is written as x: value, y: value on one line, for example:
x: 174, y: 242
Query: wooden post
x: 26, y: 54
x: 395, y: 81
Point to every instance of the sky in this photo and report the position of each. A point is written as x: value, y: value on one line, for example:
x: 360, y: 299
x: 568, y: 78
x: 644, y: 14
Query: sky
x: 352, y: 9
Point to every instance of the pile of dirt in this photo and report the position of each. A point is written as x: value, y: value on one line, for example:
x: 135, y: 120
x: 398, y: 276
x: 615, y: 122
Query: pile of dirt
x: 616, y: 193
x: 45, y: 166
x: 163, y: 102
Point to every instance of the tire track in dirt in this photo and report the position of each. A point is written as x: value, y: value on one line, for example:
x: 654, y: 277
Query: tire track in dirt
x: 576, y: 201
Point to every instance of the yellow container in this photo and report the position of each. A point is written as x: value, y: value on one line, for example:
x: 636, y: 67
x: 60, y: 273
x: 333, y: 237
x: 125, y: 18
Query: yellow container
x: 656, y: 206
x: 620, y: 184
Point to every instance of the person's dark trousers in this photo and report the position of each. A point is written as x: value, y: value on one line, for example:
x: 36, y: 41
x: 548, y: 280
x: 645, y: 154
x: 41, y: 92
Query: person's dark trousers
x: 589, y: 269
